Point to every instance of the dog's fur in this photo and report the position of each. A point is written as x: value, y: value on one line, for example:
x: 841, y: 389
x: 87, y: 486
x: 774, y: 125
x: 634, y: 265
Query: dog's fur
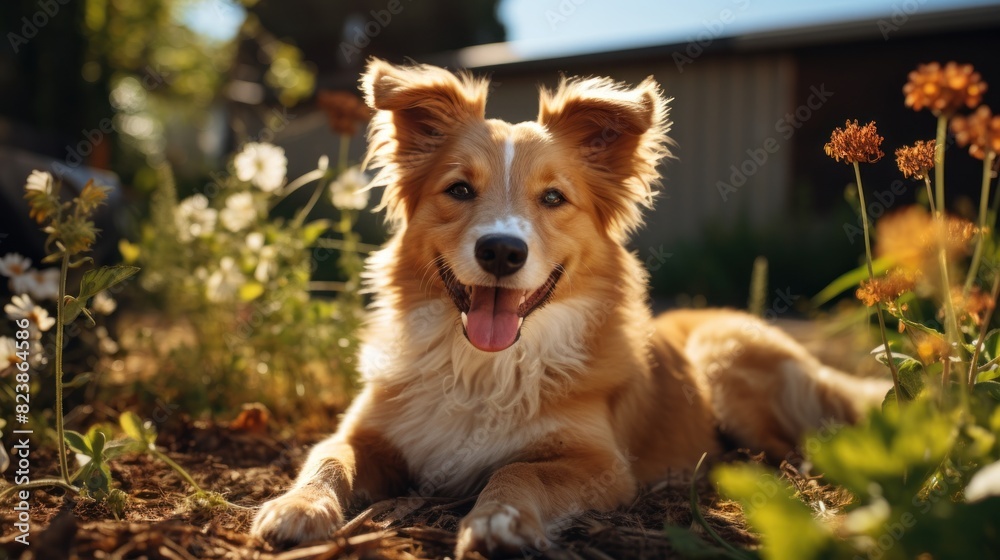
x: 593, y: 397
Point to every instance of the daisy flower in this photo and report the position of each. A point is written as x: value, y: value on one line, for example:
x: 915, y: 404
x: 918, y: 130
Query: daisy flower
x: 224, y: 283
x: 44, y: 284
x: 239, y: 212
x: 263, y: 165
x: 40, y: 181
x: 21, y: 307
x: 8, y: 353
x: 349, y: 191
x: 194, y: 218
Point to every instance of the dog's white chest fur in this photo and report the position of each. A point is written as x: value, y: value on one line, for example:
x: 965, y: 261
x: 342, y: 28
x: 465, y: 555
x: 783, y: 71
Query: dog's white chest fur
x: 462, y: 412
x: 451, y: 451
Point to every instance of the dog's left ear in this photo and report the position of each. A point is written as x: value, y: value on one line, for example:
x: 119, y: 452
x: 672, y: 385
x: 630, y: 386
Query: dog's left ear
x: 620, y: 134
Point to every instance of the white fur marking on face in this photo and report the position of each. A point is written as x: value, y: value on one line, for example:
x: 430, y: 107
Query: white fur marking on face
x: 508, y: 161
x: 507, y: 225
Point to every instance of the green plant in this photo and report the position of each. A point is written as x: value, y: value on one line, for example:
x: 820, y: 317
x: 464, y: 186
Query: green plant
x: 70, y: 234
x: 917, y: 468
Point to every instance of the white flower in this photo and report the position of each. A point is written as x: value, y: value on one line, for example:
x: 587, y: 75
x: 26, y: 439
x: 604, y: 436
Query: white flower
x: 39, y: 181
x: 349, y: 191
x: 267, y: 265
x: 103, y: 303
x: 224, y: 283
x: 14, y: 264
x: 262, y: 164
x: 21, y: 307
x: 8, y: 353
x: 194, y: 218
x: 43, y: 284
x: 984, y: 483
x: 255, y: 240
x: 239, y: 212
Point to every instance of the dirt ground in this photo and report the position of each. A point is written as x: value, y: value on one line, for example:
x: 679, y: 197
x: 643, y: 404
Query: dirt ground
x: 249, y: 464
x: 161, y: 523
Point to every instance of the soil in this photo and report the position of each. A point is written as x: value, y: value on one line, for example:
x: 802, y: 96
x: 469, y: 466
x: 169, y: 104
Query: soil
x: 161, y: 522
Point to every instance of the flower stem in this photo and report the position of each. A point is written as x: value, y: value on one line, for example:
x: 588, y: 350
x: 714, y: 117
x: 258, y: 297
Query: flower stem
x: 942, y: 135
x: 984, y: 200
x: 871, y: 276
x: 60, y: 428
x: 973, y: 366
x: 930, y: 195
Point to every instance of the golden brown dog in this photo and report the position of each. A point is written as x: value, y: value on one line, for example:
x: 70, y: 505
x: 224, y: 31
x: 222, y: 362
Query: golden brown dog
x: 511, y: 350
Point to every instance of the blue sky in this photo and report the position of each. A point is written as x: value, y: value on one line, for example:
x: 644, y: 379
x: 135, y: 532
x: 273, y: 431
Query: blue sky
x: 553, y: 27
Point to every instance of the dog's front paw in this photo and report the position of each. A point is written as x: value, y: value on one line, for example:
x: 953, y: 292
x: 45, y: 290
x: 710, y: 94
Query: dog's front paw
x: 498, y: 529
x: 297, y: 517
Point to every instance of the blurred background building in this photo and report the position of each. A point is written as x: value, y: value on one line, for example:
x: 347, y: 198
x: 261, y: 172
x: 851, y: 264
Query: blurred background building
x: 158, y: 90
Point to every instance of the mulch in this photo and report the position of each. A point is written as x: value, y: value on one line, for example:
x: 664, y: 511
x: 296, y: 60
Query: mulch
x: 248, y: 468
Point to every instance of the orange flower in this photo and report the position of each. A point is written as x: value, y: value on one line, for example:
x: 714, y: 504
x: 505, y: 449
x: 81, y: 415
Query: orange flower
x: 980, y: 131
x: 886, y: 289
x: 973, y: 305
x: 855, y: 143
x: 944, y: 89
x: 915, y: 160
x: 909, y: 237
x: 345, y: 111
x: 931, y: 348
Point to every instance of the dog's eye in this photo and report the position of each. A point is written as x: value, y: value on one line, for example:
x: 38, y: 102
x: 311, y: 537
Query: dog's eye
x: 461, y: 191
x: 552, y: 197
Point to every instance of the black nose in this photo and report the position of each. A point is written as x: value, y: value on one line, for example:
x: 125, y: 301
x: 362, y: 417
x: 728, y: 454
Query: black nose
x: 501, y: 255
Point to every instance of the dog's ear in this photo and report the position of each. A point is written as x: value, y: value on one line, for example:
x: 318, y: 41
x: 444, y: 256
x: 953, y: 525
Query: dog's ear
x: 419, y: 108
x: 620, y: 134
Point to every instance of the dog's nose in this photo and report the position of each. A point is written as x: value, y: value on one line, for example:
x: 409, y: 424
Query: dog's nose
x: 501, y: 255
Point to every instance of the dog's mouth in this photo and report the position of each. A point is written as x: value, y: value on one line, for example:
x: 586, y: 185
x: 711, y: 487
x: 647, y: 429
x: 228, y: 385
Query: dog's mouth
x: 491, y: 315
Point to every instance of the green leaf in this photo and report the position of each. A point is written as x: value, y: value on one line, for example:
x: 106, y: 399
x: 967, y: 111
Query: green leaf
x: 787, y: 526
x: 134, y: 428
x: 988, y: 389
x: 312, y: 231
x: 850, y: 280
x: 116, y: 448
x: 251, y: 291
x: 97, y: 441
x: 77, y: 442
x: 94, y: 282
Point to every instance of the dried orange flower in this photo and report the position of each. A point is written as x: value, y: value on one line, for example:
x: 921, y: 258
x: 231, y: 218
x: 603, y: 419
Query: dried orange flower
x: 855, y: 143
x: 944, y: 89
x: 931, y: 348
x: 980, y: 131
x: 973, y: 305
x: 345, y: 111
x: 886, y: 289
x: 915, y: 160
x: 909, y: 237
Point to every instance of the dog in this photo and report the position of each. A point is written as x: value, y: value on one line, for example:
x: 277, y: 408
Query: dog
x: 510, y: 348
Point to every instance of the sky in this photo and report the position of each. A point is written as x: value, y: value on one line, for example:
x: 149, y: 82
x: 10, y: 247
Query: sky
x: 559, y: 27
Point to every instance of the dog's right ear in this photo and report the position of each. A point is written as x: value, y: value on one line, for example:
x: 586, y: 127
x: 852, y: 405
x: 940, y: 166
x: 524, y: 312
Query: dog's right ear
x: 418, y: 109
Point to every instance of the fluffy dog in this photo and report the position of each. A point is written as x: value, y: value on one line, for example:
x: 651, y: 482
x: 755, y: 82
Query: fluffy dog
x: 510, y: 349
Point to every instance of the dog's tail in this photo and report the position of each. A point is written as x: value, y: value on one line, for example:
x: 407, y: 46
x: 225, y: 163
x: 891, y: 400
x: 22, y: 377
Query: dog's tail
x: 768, y: 392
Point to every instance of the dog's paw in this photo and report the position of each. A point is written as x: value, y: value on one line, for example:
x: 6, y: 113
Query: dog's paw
x: 499, y: 530
x: 297, y: 517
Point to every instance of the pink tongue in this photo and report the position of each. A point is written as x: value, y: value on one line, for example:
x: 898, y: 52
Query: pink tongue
x: 493, y: 319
